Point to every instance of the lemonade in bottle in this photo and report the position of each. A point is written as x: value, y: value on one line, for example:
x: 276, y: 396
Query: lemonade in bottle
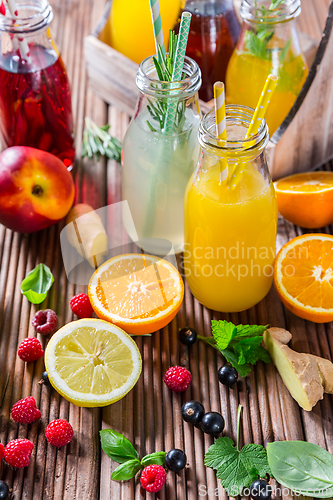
x: 268, y: 43
x: 230, y: 233
x: 130, y: 26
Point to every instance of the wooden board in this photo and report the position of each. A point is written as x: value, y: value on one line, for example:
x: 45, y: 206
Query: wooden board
x: 150, y: 414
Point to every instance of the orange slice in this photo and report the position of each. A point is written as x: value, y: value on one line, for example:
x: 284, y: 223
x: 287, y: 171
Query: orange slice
x: 306, y: 199
x: 139, y: 293
x: 303, y: 276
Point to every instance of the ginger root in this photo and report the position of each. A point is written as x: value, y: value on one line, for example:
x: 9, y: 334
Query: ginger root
x: 86, y: 234
x: 307, y: 377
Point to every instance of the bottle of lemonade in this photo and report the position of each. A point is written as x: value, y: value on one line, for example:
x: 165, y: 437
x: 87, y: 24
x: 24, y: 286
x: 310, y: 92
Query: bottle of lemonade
x: 230, y: 233
x: 268, y: 43
x: 157, y: 163
x: 130, y: 26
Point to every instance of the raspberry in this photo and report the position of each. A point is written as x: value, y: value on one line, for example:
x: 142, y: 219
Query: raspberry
x: 30, y: 349
x: 45, y: 322
x: 153, y: 478
x: 2, y: 451
x: 18, y: 452
x: 177, y: 378
x: 59, y: 433
x: 80, y: 305
x: 25, y: 411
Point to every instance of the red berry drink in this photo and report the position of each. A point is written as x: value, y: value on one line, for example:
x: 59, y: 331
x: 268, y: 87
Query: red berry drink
x: 35, y: 103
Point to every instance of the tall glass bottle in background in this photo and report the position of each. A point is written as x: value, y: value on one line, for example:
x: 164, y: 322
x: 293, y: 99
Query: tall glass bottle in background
x: 213, y: 35
x: 268, y: 43
x: 157, y: 163
x: 35, y: 97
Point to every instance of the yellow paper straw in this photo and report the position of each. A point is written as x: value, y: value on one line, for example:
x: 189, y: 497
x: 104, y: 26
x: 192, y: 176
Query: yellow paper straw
x: 259, y: 114
x: 221, y: 127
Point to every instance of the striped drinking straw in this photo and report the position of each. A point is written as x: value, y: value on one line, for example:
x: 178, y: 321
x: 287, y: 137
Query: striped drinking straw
x: 157, y: 24
x: 221, y: 126
x: 259, y: 114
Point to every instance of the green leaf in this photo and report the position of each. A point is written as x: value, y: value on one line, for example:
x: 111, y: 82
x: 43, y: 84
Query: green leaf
x: 232, y: 358
x: 255, y: 46
x: 250, y: 330
x: 236, y: 469
x: 303, y: 467
x: 275, y: 4
x: 37, y: 283
x: 117, y: 446
x: 223, y: 333
x: 285, y: 51
x: 157, y: 458
x: 97, y: 141
x: 126, y: 470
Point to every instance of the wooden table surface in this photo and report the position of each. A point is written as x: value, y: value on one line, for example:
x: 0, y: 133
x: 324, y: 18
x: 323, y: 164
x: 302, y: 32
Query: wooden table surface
x: 150, y: 414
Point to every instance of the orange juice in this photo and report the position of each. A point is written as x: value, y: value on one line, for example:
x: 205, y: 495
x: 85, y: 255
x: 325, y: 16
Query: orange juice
x: 131, y: 27
x: 230, y: 233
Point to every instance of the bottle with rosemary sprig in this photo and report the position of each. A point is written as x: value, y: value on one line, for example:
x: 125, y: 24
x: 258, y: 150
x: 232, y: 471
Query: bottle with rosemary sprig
x: 158, y: 159
x: 268, y: 44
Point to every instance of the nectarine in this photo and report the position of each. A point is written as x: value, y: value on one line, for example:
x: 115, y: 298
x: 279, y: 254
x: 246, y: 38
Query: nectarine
x: 36, y: 189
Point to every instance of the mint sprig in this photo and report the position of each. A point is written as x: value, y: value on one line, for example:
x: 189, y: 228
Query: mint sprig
x: 121, y: 450
x: 240, y: 345
x: 237, y: 469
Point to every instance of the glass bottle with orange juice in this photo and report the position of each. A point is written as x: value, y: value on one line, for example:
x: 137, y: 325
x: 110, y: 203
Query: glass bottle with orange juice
x: 130, y: 26
x: 268, y: 43
x: 230, y: 232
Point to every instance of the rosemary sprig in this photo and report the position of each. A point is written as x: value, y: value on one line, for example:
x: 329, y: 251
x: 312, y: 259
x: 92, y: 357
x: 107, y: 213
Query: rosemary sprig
x: 98, y: 142
x: 164, y: 69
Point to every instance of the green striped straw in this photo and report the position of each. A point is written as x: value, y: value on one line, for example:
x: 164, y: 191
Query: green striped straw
x: 157, y: 24
x: 178, y: 68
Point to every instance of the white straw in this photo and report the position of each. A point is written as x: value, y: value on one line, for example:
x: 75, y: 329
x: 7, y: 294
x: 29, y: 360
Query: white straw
x: 23, y: 44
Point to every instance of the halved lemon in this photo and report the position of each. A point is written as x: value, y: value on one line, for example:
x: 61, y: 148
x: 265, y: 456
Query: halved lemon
x: 91, y: 362
x: 306, y: 199
x: 140, y: 293
x: 303, y: 276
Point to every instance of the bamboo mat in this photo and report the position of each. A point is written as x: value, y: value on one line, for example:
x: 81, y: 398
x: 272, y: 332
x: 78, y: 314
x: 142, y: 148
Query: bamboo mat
x: 150, y: 414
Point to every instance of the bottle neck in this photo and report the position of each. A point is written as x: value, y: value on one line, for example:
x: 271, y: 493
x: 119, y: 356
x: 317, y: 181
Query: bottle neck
x: 31, y: 17
x: 262, y: 12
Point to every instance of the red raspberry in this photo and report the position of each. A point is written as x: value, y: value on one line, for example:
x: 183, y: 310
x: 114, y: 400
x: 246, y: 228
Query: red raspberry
x: 153, y: 478
x: 18, y: 452
x: 177, y: 378
x: 30, y: 349
x: 2, y: 451
x: 80, y: 305
x: 25, y: 411
x: 59, y: 433
x: 45, y: 322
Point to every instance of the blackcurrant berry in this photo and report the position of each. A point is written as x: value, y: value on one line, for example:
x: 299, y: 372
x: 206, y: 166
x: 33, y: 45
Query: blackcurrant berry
x: 45, y: 378
x: 192, y: 412
x: 212, y: 423
x: 175, y: 460
x: 4, y: 490
x: 260, y: 490
x: 227, y: 375
x: 187, y: 336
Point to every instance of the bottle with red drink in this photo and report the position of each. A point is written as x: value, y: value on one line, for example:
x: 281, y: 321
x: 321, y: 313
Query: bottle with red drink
x: 35, y: 97
x: 213, y: 35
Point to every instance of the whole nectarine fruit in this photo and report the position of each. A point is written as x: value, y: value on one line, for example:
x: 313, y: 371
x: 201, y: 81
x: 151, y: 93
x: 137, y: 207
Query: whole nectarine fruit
x: 36, y: 189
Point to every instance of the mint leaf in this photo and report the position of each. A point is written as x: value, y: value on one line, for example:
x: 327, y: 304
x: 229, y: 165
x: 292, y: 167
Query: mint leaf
x: 157, y: 458
x: 232, y: 358
x: 117, y: 447
x: 255, y: 46
x: 37, y: 283
x: 223, y: 333
x: 284, y: 51
x: 126, y: 470
x: 237, y: 469
x: 250, y: 330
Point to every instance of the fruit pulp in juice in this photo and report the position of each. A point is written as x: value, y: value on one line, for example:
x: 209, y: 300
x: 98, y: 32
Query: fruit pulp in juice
x: 213, y: 35
x: 156, y: 170
x: 35, y: 103
x: 246, y: 76
x: 131, y: 27
x: 229, y: 239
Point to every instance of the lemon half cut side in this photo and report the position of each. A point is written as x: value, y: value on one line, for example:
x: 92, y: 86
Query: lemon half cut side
x: 91, y: 362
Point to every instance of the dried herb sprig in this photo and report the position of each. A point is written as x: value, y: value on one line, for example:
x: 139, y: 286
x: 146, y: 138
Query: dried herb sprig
x: 164, y: 68
x: 98, y: 142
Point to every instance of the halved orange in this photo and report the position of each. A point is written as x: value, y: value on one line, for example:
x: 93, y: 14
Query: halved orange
x: 303, y: 276
x: 306, y: 199
x: 139, y: 293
